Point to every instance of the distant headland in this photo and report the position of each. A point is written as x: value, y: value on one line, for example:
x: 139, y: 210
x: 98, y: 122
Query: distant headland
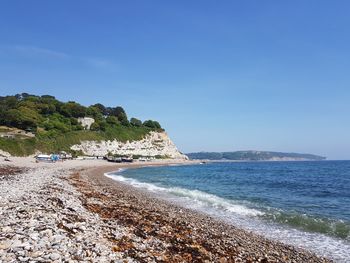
x: 254, y: 156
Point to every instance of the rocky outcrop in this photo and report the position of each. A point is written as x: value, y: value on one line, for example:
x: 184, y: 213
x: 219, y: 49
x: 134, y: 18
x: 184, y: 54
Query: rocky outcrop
x: 154, y: 144
x: 4, y: 154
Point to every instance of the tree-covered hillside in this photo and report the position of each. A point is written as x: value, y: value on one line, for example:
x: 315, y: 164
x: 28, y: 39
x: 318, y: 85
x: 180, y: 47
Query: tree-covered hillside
x: 55, y: 123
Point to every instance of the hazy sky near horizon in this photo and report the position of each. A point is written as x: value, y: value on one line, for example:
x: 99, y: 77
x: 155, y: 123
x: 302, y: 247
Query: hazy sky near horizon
x: 218, y: 75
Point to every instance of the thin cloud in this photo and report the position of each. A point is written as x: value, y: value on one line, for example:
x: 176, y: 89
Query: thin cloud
x: 102, y: 63
x: 38, y: 51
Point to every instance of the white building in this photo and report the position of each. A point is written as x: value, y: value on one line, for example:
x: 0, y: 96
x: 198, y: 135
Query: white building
x: 86, y: 122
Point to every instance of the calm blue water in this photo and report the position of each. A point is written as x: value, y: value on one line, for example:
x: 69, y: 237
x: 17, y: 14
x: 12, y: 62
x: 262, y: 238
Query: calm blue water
x: 306, y: 204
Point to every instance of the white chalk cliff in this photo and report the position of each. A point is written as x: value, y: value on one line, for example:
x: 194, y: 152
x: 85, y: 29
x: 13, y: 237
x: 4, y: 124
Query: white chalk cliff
x: 154, y: 143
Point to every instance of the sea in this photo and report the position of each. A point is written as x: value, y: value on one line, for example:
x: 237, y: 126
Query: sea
x: 304, y: 204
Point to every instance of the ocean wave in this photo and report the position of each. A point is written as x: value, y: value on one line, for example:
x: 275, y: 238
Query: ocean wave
x: 337, y: 228
x: 199, y: 197
x: 304, y: 231
x: 214, y: 201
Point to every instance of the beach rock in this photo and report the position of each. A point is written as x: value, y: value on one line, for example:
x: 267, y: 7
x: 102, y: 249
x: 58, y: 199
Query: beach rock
x: 54, y: 256
x: 35, y: 254
x: 23, y: 259
x: 4, y: 154
x: 5, y: 245
x: 6, y: 229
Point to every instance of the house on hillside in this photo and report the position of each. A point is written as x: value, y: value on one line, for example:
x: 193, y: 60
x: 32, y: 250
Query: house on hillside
x: 86, y: 122
x: 7, y: 135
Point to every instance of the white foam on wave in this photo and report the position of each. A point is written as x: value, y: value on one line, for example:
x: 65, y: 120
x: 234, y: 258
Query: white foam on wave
x: 134, y: 182
x: 200, y: 198
x: 322, y: 245
x: 245, y: 217
x: 214, y: 201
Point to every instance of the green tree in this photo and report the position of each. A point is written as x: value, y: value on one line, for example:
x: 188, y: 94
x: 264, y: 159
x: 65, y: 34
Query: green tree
x: 101, y: 108
x: 28, y: 104
x: 73, y: 109
x: 102, y: 124
x: 94, y: 112
x: 120, y: 113
x: 95, y: 126
x: 49, y: 97
x: 152, y: 124
x: 135, y: 122
x: 23, y: 118
x: 157, y: 125
x: 47, y: 109
x: 112, y: 120
x: 10, y: 102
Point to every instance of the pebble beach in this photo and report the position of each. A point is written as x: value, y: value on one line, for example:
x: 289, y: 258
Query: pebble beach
x: 70, y: 212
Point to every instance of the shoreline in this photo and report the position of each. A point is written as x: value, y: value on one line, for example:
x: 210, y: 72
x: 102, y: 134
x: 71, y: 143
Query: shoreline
x: 71, y: 211
x: 214, y: 239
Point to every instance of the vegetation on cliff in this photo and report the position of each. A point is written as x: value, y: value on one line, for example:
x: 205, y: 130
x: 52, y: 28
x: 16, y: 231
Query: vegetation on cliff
x: 56, y: 127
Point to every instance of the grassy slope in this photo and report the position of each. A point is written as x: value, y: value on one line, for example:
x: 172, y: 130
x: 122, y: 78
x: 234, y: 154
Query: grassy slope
x: 63, y: 142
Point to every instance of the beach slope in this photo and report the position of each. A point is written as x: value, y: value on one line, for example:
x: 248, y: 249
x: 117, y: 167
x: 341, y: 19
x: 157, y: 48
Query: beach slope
x: 71, y: 212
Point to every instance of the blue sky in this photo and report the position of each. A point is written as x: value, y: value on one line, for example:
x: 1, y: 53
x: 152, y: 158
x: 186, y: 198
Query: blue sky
x: 218, y: 75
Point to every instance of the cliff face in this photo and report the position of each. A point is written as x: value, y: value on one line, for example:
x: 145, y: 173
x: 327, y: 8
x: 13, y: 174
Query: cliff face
x: 155, y: 143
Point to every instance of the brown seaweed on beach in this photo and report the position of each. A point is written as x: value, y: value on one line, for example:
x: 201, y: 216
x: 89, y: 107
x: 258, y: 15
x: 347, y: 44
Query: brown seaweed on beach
x: 166, y: 233
x: 7, y: 172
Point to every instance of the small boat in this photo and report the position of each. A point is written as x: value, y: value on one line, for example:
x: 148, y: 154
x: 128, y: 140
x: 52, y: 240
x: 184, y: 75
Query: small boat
x: 127, y: 160
x: 114, y: 159
x: 43, y: 158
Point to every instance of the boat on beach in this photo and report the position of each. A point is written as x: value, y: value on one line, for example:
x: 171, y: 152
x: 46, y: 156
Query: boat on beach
x: 127, y: 159
x: 47, y: 158
x: 114, y: 159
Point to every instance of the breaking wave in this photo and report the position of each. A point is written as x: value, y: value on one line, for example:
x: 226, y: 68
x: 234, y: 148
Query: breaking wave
x: 323, y: 236
x: 200, y: 198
